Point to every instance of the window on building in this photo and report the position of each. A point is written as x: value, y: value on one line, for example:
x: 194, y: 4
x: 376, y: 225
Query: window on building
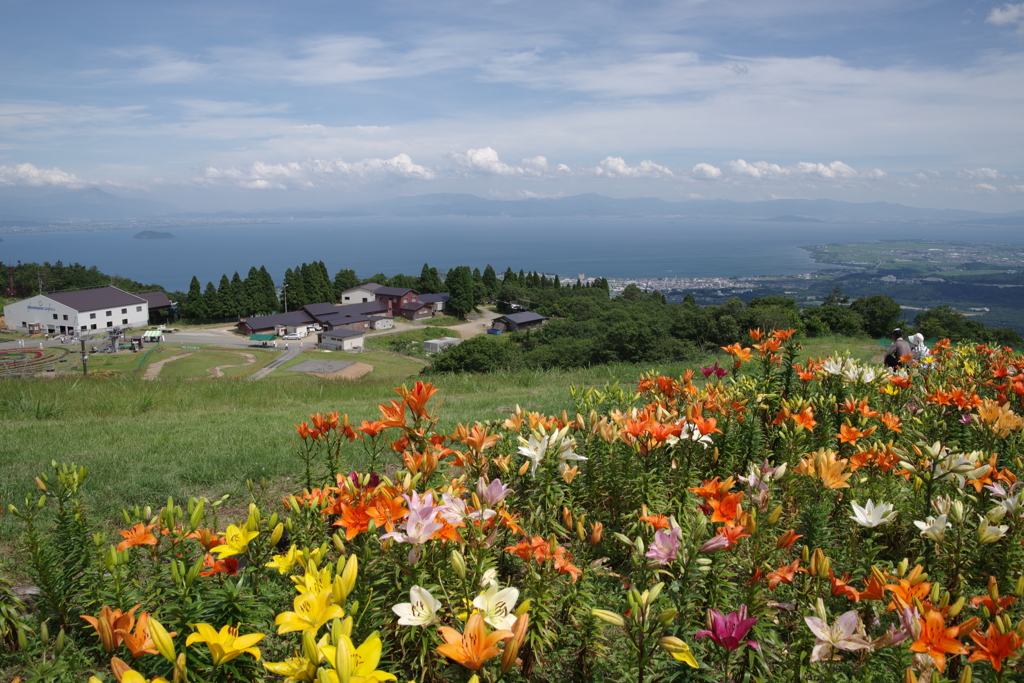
x: 65, y: 317
x: 138, y: 309
x: 92, y: 316
x: 93, y: 326
x: 83, y: 327
x: 54, y: 316
x: 110, y: 323
x: 125, y: 321
x: 110, y: 313
x: 123, y: 311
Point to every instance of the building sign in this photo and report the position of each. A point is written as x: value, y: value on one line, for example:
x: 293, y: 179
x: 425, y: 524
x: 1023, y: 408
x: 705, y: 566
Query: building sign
x: 41, y: 307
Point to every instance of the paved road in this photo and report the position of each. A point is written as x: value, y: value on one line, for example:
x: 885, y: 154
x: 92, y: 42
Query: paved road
x: 274, y: 364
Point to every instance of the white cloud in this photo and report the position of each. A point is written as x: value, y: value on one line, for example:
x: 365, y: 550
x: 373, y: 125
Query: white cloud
x: 833, y: 171
x: 706, y: 171
x: 616, y: 167
x: 313, y: 173
x: 1008, y: 14
x: 979, y: 174
x: 486, y: 161
x: 28, y: 174
x: 986, y: 187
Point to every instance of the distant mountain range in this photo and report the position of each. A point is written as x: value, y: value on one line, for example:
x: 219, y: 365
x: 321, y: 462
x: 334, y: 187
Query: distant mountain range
x: 93, y: 204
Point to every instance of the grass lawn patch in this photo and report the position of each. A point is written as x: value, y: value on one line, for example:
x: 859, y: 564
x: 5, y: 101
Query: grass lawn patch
x: 407, y: 343
x: 197, y: 364
x: 442, y: 321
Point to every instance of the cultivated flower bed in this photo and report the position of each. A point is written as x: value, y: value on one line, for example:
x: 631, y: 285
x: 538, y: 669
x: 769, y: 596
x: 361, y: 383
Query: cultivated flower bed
x: 777, y: 521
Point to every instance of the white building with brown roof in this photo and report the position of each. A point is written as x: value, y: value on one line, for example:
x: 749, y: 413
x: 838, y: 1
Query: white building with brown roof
x: 82, y: 311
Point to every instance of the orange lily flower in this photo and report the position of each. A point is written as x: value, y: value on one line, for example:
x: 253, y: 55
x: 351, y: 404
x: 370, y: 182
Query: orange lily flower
x: 305, y: 432
x: 995, y: 646
x: 874, y: 589
x: 137, y: 535
x: 903, y: 593
x: 355, y: 519
x: 892, y: 422
x: 783, y: 335
x: 656, y: 521
x: 732, y: 533
x: 901, y: 382
x: 479, y: 440
x: 207, y: 538
x: 757, y: 335
x: 110, y: 623
x: 387, y: 511
x: 787, y: 539
x: 805, y: 418
x: 841, y: 587
x: 392, y: 415
x: 727, y: 508
x: 228, y: 565
x: 848, y: 434
x: 140, y: 643
x: 371, y: 429
x: 737, y: 351
x: 937, y: 641
x: 417, y: 398
x: 784, y: 574
x: 475, y: 645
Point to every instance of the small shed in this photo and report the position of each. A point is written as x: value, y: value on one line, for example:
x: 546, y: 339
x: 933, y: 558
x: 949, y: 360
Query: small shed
x: 438, y: 345
x: 340, y: 340
x: 264, y: 339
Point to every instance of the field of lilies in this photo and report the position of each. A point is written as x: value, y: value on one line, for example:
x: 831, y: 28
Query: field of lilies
x: 775, y: 519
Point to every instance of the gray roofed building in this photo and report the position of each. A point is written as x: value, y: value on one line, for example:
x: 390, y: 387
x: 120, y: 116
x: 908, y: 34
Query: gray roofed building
x: 157, y: 300
x: 96, y: 298
x: 248, y: 326
x: 517, y: 321
x: 394, y: 291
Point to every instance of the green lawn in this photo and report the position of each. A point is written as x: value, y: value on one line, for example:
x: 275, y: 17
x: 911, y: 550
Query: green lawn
x: 407, y: 343
x: 387, y: 367
x: 195, y: 365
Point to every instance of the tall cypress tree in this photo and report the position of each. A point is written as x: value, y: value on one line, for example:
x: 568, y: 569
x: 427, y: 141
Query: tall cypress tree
x: 511, y: 277
x: 271, y: 303
x: 253, y: 294
x: 239, y: 296
x: 462, y: 289
x: 430, y: 281
x: 212, y: 302
x: 345, y: 278
x: 490, y: 281
x: 195, y: 306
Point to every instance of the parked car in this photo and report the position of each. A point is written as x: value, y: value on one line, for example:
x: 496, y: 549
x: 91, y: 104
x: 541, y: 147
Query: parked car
x: 293, y: 335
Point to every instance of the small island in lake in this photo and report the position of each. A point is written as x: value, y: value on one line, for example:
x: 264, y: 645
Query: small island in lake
x: 792, y: 219
x: 154, y: 235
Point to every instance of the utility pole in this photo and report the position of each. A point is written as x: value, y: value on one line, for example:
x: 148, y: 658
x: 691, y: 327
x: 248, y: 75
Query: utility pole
x: 284, y: 292
x: 85, y: 359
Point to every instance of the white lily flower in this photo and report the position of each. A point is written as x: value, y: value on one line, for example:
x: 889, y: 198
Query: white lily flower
x: 841, y: 635
x: 934, y: 528
x: 421, y: 610
x: 565, y: 453
x: 990, y: 534
x: 872, y: 515
x: 534, y: 449
x: 498, y: 606
x: 868, y: 374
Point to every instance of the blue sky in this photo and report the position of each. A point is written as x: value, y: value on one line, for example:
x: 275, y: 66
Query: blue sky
x: 318, y: 104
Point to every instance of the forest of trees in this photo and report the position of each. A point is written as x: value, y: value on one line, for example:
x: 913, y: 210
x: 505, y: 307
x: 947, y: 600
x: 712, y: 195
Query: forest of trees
x: 29, y: 279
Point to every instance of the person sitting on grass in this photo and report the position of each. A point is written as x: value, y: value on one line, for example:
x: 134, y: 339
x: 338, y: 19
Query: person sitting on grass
x: 899, y: 352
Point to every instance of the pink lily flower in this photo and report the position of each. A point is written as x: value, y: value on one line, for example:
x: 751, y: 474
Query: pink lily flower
x: 665, y: 547
x: 729, y: 631
x: 714, y: 370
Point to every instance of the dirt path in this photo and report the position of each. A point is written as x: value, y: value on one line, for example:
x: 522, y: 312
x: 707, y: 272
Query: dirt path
x: 218, y: 372
x: 154, y: 368
x: 354, y: 371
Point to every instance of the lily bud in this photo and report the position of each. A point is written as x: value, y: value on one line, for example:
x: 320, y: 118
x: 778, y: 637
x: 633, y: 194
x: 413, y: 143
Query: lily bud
x: 44, y: 633
x: 901, y: 568
x: 672, y: 644
x: 935, y: 677
x: 805, y: 554
x: 566, y: 517
x: 934, y: 594
x: 581, y: 533
x: 162, y: 640
x: 666, y: 617
x: 508, y: 656
x: 819, y: 608
x: 655, y: 593
x: 336, y: 540
x: 608, y: 617
x: 817, y: 558
x: 956, y: 510
x: 774, y: 516
x: 966, y: 675
x: 309, y: 648
x: 956, y: 607
x: 993, y: 589
x: 597, y: 531
x: 180, y: 671
x: 944, y: 600
x: 40, y: 484
x: 458, y: 564
x: 276, y: 534
x: 524, y: 468
x: 343, y: 659
x: 909, y: 677
x: 22, y: 639
x: 348, y: 576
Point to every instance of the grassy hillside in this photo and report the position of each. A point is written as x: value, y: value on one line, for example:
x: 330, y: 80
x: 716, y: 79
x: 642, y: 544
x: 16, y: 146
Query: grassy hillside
x: 146, y: 440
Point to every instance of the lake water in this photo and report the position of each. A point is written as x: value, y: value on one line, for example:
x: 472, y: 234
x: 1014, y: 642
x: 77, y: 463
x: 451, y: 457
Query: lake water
x: 596, y: 247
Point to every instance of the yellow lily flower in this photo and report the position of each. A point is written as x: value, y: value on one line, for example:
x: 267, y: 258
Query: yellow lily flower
x: 284, y: 563
x: 293, y: 669
x: 361, y: 666
x: 225, y: 645
x: 235, y: 542
x: 312, y: 610
x: 679, y: 650
x: 313, y: 581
